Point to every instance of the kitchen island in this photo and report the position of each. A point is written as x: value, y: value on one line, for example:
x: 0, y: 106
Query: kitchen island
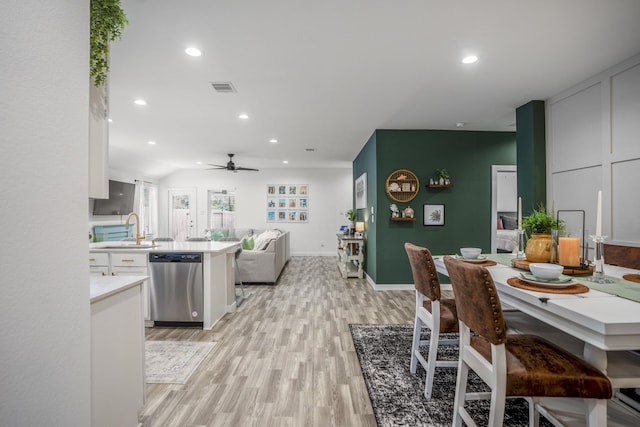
x: 217, y: 263
x: 117, y: 350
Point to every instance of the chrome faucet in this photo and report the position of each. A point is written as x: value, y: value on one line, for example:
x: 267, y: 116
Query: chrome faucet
x: 126, y: 225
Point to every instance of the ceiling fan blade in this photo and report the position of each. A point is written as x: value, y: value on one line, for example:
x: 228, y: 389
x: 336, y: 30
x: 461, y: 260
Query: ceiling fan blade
x: 217, y: 166
x: 246, y: 169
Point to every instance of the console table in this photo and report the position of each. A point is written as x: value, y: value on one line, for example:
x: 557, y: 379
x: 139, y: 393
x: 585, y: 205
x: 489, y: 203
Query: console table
x: 350, y: 256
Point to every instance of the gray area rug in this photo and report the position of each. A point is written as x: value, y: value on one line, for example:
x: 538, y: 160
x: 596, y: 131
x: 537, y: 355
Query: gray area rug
x: 173, y: 362
x: 397, y: 397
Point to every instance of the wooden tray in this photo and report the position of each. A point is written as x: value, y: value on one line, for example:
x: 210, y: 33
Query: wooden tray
x: 569, y: 271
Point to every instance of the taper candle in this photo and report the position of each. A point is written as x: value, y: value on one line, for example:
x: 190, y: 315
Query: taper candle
x: 519, y: 213
x: 599, y: 215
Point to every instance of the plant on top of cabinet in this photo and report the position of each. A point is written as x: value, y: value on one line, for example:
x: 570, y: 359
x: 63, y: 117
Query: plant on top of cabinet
x: 107, y: 22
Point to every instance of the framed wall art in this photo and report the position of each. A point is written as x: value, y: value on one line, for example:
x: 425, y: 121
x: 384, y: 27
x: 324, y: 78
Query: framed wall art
x: 361, y: 191
x: 287, y: 202
x: 433, y: 215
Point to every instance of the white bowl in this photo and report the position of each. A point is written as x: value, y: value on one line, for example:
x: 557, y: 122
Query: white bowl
x: 546, y: 271
x: 470, y: 253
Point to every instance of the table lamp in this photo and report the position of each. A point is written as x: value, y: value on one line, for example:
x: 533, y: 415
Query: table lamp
x: 359, y: 228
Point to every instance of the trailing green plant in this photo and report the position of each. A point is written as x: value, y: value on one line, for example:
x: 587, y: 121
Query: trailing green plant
x: 442, y: 173
x: 541, y: 222
x: 351, y: 215
x: 107, y: 23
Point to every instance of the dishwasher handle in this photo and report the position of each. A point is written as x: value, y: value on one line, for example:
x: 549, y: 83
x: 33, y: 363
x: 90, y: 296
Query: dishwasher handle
x: 190, y: 257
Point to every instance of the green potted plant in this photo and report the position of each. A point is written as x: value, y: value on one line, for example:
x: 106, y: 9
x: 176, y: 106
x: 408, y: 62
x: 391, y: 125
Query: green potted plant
x: 107, y: 21
x: 540, y: 225
x: 351, y: 216
x: 443, y: 176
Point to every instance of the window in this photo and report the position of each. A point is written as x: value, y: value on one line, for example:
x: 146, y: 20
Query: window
x: 147, y: 208
x: 221, y: 209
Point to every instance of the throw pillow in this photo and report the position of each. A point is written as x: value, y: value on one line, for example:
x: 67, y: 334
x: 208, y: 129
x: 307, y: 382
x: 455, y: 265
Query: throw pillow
x: 248, y: 243
x: 263, y: 239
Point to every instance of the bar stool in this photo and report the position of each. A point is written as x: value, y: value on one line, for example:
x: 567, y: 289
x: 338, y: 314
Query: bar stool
x: 439, y: 315
x: 239, y: 300
x: 514, y: 365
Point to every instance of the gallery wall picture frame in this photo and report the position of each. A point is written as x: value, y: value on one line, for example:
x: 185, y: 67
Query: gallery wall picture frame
x: 360, y: 190
x: 433, y: 215
x: 287, y: 203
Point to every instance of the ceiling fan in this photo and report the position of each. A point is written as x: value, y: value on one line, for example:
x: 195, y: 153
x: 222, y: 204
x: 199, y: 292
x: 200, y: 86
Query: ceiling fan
x: 230, y: 166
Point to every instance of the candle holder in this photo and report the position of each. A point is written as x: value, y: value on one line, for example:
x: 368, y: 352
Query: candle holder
x: 598, y: 273
x: 520, y: 254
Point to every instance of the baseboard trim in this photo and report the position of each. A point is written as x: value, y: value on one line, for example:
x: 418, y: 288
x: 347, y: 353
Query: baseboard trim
x: 389, y: 286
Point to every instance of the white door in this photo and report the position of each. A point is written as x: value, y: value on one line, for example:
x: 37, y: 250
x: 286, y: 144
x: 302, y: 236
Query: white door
x: 182, y: 213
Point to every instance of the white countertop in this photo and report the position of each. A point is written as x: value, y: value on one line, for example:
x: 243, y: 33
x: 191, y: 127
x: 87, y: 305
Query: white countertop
x: 146, y: 246
x: 101, y: 287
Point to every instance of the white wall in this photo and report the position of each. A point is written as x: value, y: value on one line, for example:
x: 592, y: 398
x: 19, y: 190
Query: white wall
x: 593, y: 144
x: 44, y: 278
x: 330, y: 196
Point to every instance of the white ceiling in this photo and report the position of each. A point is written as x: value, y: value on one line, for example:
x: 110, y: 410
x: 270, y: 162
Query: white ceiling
x: 326, y: 74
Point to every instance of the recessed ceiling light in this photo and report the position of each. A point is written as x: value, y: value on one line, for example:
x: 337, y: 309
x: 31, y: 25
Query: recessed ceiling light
x: 460, y: 124
x: 469, y: 59
x: 198, y: 162
x: 285, y: 161
x: 243, y: 116
x: 110, y: 120
x: 193, y: 51
x: 140, y: 102
x: 273, y: 141
x: 151, y: 143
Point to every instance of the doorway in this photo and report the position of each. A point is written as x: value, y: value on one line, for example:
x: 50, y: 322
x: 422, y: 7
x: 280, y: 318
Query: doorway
x: 182, y: 213
x: 504, y: 208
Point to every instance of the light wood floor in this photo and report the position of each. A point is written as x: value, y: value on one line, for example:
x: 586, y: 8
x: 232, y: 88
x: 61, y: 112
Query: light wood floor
x: 284, y: 358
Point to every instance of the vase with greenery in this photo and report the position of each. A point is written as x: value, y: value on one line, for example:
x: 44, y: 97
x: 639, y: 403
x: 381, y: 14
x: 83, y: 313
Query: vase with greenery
x: 351, y: 216
x: 443, y: 176
x: 107, y: 21
x: 540, y: 225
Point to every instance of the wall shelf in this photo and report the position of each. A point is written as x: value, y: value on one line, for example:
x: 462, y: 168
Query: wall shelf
x: 402, y: 219
x: 402, y: 186
x: 439, y: 186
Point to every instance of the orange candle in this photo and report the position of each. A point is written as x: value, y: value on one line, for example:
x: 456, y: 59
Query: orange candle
x: 569, y: 251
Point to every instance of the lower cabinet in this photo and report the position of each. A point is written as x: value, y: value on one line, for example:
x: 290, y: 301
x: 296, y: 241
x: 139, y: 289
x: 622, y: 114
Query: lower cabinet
x: 117, y: 359
x: 123, y: 264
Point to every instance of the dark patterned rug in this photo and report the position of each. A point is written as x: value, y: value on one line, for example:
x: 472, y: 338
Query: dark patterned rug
x: 397, y: 397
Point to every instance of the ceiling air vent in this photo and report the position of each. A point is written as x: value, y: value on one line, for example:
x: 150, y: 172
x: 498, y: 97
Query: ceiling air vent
x: 223, y: 87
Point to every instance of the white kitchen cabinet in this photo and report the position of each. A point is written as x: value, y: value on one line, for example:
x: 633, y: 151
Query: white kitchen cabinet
x: 99, y: 141
x: 122, y: 263
x: 117, y: 354
x: 98, y: 263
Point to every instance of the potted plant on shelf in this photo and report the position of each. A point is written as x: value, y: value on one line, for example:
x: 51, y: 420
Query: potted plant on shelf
x: 443, y: 176
x: 351, y: 216
x: 539, y: 225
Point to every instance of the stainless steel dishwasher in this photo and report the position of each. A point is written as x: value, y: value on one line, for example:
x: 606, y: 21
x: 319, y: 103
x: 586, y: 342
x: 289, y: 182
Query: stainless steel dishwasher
x: 177, y: 293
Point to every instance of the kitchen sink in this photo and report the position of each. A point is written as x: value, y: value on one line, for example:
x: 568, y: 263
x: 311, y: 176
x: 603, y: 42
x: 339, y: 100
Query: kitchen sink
x: 131, y: 246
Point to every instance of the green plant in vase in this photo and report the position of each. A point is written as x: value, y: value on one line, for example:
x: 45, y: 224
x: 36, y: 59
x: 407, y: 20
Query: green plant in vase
x: 443, y: 176
x: 351, y: 216
x: 539, y: 225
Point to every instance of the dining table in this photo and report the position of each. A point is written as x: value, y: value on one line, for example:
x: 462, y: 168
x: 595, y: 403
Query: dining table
x: 604, y: 319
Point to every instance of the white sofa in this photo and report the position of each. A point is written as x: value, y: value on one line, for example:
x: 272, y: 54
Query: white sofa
x: 260, y: 266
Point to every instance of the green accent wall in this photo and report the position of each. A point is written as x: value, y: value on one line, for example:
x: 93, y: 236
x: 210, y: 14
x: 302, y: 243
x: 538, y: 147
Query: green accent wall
x: 467, y: 155
x: 531, y: 155
x: 365, y: 162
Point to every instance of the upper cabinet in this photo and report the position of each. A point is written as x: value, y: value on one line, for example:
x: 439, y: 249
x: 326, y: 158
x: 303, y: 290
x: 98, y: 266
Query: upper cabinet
x: 99, y: 142
x: 402, y: 186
